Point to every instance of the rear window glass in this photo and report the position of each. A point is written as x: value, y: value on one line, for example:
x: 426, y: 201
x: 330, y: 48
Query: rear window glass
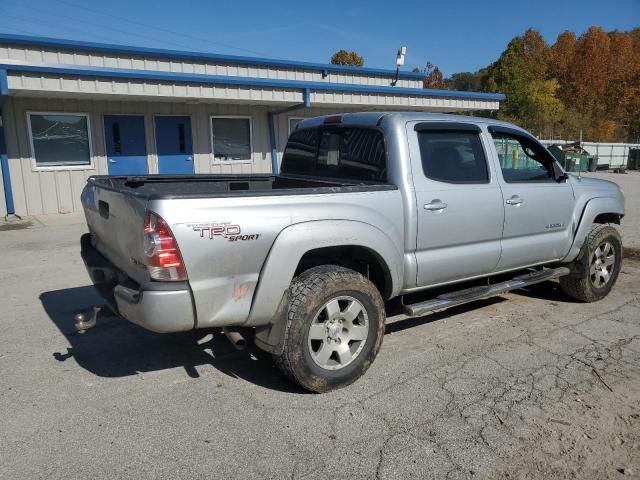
x: 343, y: 153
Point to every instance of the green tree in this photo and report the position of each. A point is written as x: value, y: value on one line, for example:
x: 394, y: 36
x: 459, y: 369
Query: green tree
x: 544, y: 108
x: 342, y: 57
x: 468, y: 81
x: 521, y: 74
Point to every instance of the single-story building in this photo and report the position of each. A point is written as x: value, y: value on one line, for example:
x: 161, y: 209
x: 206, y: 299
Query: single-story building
x: 72, y: 109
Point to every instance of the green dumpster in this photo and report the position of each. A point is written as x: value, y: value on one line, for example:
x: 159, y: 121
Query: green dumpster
x: 633, y: 162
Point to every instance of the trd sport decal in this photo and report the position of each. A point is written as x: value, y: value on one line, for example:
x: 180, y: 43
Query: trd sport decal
x: 226, y: 230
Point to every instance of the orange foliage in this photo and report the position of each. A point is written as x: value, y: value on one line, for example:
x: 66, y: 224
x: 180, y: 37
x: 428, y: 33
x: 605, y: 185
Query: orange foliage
x: 598, y: 78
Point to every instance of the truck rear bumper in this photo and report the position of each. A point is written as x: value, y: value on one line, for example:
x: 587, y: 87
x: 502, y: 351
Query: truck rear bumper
x: 156, y: 306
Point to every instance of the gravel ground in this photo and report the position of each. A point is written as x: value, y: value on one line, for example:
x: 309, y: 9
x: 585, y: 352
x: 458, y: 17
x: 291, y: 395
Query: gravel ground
x: 630, y: 185
x: 525, y: 385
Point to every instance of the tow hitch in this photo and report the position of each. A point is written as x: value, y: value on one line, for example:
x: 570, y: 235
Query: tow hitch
x: 82, y: 324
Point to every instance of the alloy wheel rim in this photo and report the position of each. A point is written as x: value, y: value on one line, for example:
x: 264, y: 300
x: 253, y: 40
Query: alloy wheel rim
x: 603, y: 260
x: 338, y: 333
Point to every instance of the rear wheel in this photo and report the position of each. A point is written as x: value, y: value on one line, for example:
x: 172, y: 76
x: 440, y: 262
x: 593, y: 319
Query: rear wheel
x: 335, y: 326
x: 597, y: 267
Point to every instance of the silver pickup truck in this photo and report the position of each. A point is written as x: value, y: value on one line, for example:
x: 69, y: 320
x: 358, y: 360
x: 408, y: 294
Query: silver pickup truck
x: 368, y: 207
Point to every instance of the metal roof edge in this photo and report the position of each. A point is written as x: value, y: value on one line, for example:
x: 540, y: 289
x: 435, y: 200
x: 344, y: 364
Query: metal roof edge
x: 201, y: 56
x: 248, y: 81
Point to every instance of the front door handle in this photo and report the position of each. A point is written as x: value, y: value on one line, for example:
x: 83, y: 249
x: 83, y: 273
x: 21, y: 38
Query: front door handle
x: 188, y: 159
x: 111, y: 160
x: 515, y: 200
x: 436, y: 205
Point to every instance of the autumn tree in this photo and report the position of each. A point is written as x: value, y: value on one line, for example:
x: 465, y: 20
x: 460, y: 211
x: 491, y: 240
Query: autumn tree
x: 521, y: 73
x: 589, y: 69
x: 588, y: 84
x: 561, y: 56
x: 433, y: 77
x: 342, y: 57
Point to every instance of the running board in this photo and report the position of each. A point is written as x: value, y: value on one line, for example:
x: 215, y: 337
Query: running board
x: 478, y: 293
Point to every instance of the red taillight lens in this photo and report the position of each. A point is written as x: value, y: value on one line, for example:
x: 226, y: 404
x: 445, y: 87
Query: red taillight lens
x: 161, y: 250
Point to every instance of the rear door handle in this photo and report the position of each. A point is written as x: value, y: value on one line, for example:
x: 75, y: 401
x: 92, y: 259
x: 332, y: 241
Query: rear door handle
x: 436, y: 205
x: 515, y: 200
x: 111, y: 160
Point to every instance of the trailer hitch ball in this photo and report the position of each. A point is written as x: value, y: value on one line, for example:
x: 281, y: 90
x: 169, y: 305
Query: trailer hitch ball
x: 82, y: 324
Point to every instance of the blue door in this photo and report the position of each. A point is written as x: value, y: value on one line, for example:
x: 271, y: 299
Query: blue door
x: 173, y: 140
x: 126, y: 148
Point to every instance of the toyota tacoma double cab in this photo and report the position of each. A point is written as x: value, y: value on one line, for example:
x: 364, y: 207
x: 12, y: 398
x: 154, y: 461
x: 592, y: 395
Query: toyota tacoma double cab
x: 368, y: 207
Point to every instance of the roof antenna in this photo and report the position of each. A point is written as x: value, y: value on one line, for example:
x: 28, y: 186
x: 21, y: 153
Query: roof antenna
x: 402, y: 51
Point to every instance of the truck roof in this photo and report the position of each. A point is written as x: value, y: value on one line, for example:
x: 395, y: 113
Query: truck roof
x: 374, y: 118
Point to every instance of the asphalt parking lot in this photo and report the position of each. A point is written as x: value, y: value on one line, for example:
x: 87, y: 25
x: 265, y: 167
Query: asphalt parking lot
x: 526, y: 385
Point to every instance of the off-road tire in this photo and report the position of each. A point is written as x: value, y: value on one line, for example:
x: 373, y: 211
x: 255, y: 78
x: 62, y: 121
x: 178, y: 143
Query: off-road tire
x: 308, y: 293
x: 578, y: 284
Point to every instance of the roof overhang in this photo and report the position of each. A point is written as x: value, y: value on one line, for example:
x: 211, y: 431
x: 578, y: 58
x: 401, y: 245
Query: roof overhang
x: 180, y: 55
x: 26, y: 79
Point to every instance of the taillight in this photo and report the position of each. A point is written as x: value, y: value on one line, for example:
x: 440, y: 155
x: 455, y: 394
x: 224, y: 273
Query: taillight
x: 333, y: 119
x: 161, y: 250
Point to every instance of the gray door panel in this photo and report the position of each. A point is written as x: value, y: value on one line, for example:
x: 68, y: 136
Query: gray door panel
x: 540, y: 228
x: 538, y: 223
x: 462, y: 240
x: 459, y: 225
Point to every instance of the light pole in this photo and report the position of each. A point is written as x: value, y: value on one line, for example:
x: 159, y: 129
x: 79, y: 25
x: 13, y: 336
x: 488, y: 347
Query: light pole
x: 402, y: 51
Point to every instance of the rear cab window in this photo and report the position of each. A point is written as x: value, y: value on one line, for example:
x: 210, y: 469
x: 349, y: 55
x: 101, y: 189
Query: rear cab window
x: 452, y: 153
x: 346, y: 153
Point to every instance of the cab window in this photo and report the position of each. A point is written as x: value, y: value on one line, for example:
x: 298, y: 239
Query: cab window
x: 453, y: 156
x: 522, y: 160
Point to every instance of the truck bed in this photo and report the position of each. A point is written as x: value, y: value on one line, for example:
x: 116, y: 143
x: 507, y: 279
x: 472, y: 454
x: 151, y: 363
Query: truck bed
x: 155, y: 187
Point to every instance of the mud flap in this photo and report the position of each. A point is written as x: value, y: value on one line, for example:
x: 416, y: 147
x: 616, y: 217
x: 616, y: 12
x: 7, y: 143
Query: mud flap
x: 271, y: 337
x: 580, y: 265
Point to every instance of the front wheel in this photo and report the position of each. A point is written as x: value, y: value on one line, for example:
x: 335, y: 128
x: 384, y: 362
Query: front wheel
x: 335, y: 326
x: 597, y: 267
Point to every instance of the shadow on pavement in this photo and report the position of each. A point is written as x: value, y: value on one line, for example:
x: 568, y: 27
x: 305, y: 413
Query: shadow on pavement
x: 550, y: 291
x: 403, y: 324
x: 117, y: 348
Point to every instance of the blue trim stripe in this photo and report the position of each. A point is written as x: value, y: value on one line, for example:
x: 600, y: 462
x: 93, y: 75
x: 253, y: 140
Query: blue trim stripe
x: 247, y: 81
x: 4, y: 158
x: 4, y: 167
x: 198, y: 56
x: 4, y: 83
x: 272, y: 139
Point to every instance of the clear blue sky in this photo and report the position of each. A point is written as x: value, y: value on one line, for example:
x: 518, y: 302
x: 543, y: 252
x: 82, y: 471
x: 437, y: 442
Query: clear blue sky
x: 455, y: 35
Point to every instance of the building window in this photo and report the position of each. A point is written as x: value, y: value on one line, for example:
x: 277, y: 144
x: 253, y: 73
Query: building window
x: 231, y: 139
x: 293, y: 123
x: 60, y: 140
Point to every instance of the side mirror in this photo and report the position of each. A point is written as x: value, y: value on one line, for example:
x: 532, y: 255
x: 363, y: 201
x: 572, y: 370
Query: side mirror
x: 562, y: 178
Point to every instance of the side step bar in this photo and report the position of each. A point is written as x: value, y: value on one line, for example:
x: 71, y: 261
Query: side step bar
x: 477, y: 293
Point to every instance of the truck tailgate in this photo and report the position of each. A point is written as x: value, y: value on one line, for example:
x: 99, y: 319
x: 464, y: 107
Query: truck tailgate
x: 116, y: 223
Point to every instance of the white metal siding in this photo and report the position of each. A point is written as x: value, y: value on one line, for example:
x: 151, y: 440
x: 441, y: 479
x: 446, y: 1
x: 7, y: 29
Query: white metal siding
x: 52, y: 55
x: 37, y: 84
x: 38, y: 192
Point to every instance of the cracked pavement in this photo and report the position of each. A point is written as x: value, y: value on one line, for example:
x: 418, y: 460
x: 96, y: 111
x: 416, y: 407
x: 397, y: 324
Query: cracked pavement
x: 525, y: 385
